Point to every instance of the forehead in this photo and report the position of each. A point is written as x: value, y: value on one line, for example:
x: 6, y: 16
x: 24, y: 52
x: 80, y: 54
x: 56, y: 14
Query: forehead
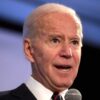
x: 57, y: 23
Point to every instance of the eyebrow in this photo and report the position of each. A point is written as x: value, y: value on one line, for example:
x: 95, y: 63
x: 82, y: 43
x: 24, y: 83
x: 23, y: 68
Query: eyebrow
x: 76, y: 36
x: 55, y: 35
x: 52, y: 35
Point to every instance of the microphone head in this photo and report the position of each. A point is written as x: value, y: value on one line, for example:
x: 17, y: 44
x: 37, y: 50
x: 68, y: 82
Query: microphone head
x: 73, y: 94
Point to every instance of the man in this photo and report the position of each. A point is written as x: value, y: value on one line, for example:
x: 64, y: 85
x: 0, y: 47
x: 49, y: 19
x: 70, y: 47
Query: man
x: 52, y: 37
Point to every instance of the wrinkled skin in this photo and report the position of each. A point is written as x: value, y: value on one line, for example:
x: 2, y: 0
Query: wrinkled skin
x: 56, y: 51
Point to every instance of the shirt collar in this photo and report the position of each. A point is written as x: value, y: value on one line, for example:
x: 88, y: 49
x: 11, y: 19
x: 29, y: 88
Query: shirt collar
x: 38, y: 90
x: 63, y: 93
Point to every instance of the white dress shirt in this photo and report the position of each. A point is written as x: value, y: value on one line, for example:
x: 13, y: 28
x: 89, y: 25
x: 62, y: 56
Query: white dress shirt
x: 39, y: 91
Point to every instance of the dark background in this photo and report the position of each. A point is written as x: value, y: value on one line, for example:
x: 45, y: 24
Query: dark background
x: 14, y: 12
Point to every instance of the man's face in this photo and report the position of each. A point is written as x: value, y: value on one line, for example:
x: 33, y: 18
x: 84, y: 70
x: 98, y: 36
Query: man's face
x: 57, y: 51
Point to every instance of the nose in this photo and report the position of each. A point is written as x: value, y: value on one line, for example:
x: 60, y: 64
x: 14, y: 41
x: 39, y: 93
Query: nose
x: 66, y: 52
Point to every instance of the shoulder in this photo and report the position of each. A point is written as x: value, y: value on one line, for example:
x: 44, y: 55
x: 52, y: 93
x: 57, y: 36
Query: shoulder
x: 20, y: 93
x: 5, y: 96
x: 13, y: 94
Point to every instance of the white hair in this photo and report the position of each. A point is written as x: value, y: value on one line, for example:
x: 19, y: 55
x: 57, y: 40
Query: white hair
x: 28, y: 28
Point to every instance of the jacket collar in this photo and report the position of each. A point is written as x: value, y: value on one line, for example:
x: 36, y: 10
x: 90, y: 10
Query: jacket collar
x: 23, y: 93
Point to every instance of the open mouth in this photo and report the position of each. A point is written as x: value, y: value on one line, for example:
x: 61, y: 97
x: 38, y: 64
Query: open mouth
x: 63, y: 67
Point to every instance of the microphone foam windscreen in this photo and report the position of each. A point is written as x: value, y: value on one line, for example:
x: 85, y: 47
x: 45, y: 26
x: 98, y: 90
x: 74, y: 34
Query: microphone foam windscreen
x: 73, y: 94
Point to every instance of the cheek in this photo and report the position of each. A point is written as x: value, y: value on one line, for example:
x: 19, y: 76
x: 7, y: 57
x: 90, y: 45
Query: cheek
x: 43, y: 56
x: 77, y: 56
x: 45, y: 61
x: 49, y: 54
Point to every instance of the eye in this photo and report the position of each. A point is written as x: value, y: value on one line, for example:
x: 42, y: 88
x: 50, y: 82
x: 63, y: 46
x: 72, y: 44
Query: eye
x: 75, y: 42
x: 55, y: 40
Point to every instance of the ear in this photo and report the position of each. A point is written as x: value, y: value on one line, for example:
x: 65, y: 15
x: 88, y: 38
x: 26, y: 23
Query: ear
x: 28, y: 50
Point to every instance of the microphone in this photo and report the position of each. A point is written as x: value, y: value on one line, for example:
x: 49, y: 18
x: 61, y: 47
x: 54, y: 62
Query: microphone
x: 73, y: 94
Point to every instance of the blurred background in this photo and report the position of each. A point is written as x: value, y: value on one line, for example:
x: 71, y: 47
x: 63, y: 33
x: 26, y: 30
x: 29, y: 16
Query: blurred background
x: 15, y: 69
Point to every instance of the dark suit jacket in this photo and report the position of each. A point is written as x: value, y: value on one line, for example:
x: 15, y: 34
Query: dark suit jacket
x: 20, y: 93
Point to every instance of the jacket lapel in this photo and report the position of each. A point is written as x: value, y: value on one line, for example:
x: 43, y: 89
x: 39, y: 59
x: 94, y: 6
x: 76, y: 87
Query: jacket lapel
x: 23, y: 93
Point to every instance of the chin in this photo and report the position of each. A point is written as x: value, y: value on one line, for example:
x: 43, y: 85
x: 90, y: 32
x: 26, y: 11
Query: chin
x: 60, y: 88
x: 63, y: 86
